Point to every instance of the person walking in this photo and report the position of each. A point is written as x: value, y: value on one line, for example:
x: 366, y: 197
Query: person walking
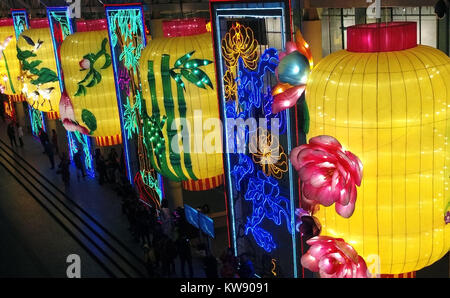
x: 64, y: 169
x: 55, y: 141
x: 210, y: 266
x: 44, y: 138
x: 150, y: 260
x: 166, y: 218
x: 100, y: 165
x: 246, y: 269
x: 78, y: 160
x: 20, y: 134
x: 49, y: 152
x: 168, y: 255
x: 229, y: 264
x: 184, y: 252
x: 12, y: 134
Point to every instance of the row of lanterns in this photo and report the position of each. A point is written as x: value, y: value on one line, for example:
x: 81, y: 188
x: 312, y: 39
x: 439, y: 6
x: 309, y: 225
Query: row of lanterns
x: 90, y: 88
x: 387, y: 103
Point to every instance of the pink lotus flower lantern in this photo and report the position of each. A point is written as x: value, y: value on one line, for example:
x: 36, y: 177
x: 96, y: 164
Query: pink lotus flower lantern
x: 329, y: 174
x: 334, y: 258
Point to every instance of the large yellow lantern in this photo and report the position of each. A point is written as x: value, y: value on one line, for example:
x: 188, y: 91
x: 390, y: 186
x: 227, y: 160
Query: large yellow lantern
x: 9, y: 64
x: 387, y: 100
x: 89, y: 81
x: 178, y: 82
x: 39, y: 74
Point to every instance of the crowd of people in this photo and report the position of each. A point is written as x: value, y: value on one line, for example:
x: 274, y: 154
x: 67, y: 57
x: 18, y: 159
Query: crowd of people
x: 167, y: 237
x: 12, y: 130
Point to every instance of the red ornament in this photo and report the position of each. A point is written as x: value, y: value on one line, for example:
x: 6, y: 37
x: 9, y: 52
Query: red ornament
x: 92, y: 25
x: 383, y: 37
x: 184, y: 27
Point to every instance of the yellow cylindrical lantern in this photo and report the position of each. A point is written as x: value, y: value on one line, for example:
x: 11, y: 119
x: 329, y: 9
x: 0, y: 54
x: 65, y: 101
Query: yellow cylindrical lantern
x: 391, y: 109
x: 9, y: 64
x: 178, y: 81
x: 89, y: 82
x: 40, y: 77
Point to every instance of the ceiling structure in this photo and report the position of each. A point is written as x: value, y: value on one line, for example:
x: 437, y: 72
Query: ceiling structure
x: 156, y: 9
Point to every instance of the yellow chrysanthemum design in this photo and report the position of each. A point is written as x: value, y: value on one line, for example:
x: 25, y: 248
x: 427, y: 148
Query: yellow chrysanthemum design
x: 239, y: 41
x: 268, y: 153
x: 230, y: 85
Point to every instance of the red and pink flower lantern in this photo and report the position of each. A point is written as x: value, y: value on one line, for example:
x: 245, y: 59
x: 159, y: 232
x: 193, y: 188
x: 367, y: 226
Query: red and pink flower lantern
x: 329, y: 174
x: 334, y: 258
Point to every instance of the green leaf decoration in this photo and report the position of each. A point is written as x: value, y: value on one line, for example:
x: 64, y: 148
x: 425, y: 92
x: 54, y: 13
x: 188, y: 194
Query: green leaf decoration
x: 89, y: 119
x: 183, y: 59
x: 107, y: 61
x: 28, y: 40
x: 45, y: 75
x: 90, y: 57
x: 305, y: 112
x: 195, y: 63
x: 22, y: 55
x: 93, y: 75
x: 81, y: 90
x: 191, y: 77
x: 34, y: 71
x: 86, y: 77
x: 203, y: 77
x: 34, y: 63
x: 104, y: 41
x: 92, y: 82
x: 177, y: 78
x: 97, y: 76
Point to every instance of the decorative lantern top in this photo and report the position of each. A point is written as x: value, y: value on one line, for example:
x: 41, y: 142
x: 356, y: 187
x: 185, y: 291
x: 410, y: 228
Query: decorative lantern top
x: 382, y: 37
x: 6, y: 22
x: 184, y: 27
x: 39, y: 23
x: 92, y: 25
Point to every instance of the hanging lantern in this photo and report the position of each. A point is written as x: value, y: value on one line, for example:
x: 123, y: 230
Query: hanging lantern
x: 89, y: 81
x: 9, y: 64
x: 387, y: 100
x: 38, y: 67
x: 178, y: 82
x: 202, y: 184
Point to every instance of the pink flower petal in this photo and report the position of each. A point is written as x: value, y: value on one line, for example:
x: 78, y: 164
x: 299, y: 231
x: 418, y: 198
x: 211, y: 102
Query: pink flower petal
x: 310, y: 262
x: 361, y: 269
x: 326, y: 196
x: 358, y: 167
x: 287, y: 99
x: 347, y: 210
x: 327, y: 265
x: 344, y: 197
x: 327, y: 141
x: 290, y: 47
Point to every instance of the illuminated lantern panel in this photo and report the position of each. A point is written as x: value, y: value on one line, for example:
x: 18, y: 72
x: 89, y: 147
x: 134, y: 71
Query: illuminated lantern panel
x: 261, y: 186
x: 89, y: 82
x: 9, y: 64
x: 40, y: 79
x: 178, y: 81
x: 387, y: 101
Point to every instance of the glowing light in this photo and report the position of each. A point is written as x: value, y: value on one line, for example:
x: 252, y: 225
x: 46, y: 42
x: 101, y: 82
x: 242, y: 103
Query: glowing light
x: 264, y: 193
x: 269, y: 154
x: 394, y: 228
